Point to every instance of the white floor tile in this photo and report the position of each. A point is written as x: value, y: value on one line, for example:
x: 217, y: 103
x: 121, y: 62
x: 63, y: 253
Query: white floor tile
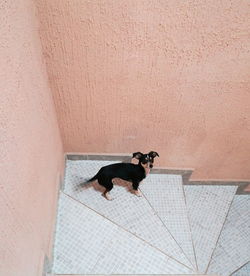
x: 244, y: 271
x: 87, y: 243
x: 208, y: 207
x: 233, y: 248
x: 165, y: 194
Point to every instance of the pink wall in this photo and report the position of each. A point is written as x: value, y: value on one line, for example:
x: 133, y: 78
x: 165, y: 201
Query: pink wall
x: 30, y: 145
x: 171, y: 76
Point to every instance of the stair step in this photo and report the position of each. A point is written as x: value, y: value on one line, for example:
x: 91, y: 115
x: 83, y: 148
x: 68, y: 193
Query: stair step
x: 233, y: 246
x: 166, y: 196
x: 171, y: 230
x: 208, y: 207
x: 87, y: 243
x: 132, y: 213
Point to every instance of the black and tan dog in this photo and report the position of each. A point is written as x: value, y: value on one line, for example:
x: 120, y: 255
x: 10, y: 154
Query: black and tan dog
x: 134, y: 173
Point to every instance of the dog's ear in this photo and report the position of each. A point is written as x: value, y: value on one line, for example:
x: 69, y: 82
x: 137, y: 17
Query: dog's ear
x: 137, y: 155
x: 153, y: 154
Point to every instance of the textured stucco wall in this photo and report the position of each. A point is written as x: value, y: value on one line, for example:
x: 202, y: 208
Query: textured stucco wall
x: 171, y: 76
x: 30, y: 145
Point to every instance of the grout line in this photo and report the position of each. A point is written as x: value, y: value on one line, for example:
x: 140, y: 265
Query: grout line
x: 190, y: 228
x: 211, y: 257
x: 168, y: 230
x: 125, y: 230
x: 239, y: 268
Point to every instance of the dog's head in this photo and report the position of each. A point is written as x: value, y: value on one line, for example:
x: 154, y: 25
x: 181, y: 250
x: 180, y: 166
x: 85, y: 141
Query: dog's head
x: 143, y: 159
x: 152, y: 155
x: 146, y: 160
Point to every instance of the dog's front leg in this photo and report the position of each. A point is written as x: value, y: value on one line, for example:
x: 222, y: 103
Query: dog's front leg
x: 106, y: 195
x: 135, y: 186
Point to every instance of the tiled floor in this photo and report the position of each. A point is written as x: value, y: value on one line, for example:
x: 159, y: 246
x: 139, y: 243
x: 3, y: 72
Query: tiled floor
x: 87, y: 243
x: 233, y: 249
x: 127, y: 210
x: 208, y: 207
x: 153, y: 234
x: 165, y: 194
x: 243, y: 271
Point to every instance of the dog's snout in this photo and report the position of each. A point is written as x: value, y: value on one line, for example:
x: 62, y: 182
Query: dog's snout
x: 151, y: 166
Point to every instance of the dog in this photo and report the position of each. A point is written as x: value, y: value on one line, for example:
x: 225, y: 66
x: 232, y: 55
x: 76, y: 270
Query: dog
x: 134, y: 173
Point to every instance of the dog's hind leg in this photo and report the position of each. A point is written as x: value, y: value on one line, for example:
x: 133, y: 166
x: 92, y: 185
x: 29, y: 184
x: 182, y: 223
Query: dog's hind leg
x: 108, y: 184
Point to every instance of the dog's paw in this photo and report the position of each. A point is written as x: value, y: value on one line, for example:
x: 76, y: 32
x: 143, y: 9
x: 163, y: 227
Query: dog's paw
x: 138, y: 193
x: 107, y: 196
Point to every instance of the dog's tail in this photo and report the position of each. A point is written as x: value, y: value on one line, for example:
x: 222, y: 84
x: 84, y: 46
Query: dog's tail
x: 86, y: 184
x: 92, y: 179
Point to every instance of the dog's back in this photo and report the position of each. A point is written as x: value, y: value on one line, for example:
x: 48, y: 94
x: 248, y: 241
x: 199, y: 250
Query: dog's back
x: 125, y: 171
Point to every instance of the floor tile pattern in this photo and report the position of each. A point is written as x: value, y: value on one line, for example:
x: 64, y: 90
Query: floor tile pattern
x: 127, y: 210
x: 165, y: 194
x: 87, y: 243
x: 233, y: 248
x: 244, y: 271
x: 208, y: 207
x: 149, y: 234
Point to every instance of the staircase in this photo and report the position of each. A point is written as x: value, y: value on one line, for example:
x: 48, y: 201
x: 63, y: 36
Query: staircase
x: 173, y: 229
